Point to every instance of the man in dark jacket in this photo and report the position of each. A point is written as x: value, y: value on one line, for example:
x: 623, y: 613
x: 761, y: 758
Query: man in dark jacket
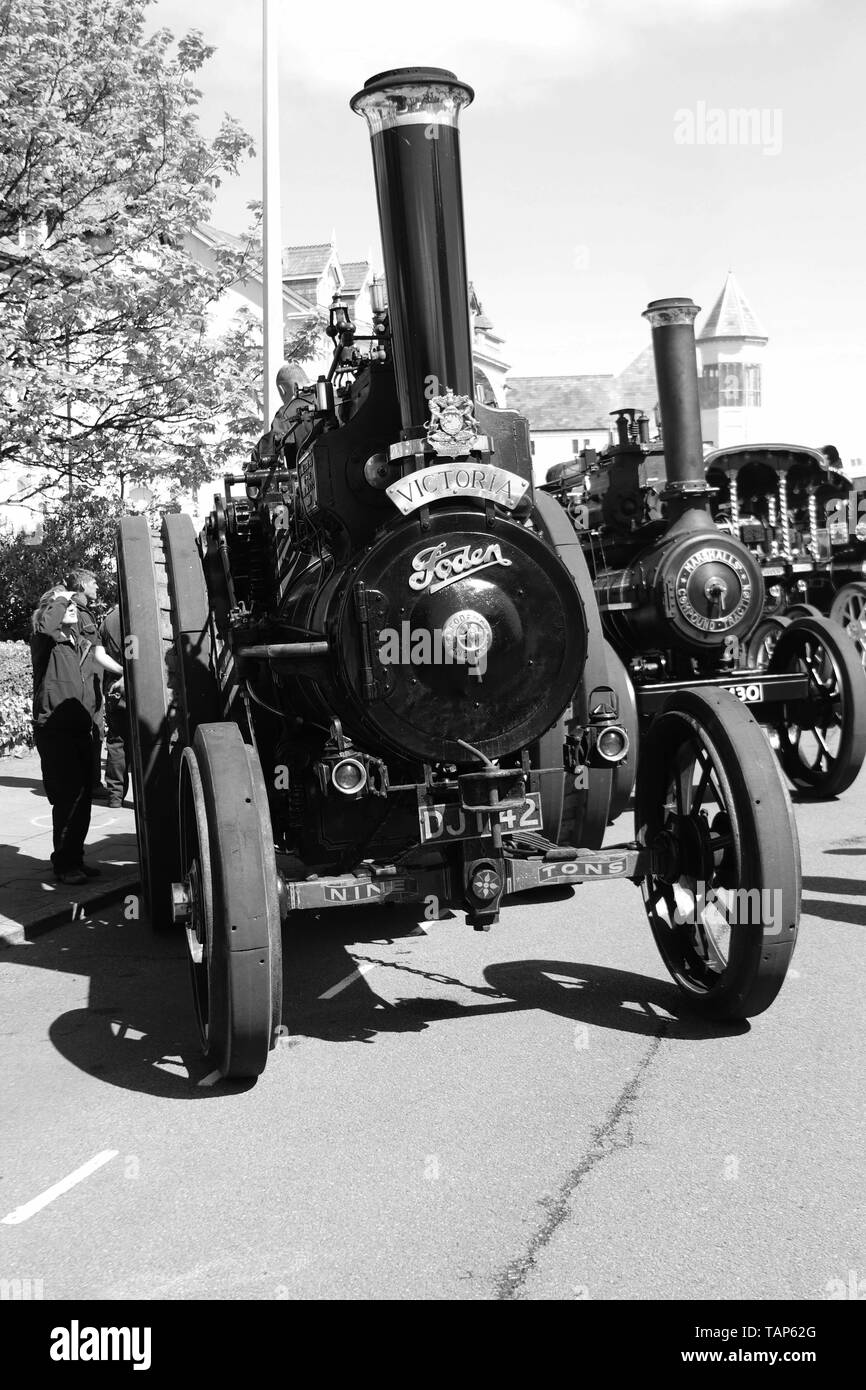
x: 65, y: 661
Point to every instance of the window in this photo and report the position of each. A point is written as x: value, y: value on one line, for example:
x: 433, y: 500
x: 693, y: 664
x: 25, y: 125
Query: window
x: 532, y: 446
x: 709, y: 388
x: 753, y: 385
x: 730, y: 384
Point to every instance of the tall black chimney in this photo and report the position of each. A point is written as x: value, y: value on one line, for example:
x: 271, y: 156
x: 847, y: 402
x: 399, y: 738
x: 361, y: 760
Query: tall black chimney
x: 673, y: 330
x: 413, y: 114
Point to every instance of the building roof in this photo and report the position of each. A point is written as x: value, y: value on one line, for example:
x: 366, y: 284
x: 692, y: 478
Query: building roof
x: 562, y: 402
x: 301, y: 262
x: 732, y: 316
x: 584, y: 402
x: 355, y: 275
x: 216, y: 234
x: 295, y: 305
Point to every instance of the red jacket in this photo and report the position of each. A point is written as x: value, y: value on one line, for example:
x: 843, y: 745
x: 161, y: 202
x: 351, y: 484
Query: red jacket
x: 64, y: 688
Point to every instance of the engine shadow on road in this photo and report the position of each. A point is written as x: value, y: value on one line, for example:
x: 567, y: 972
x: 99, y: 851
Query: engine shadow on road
x: 138, y: 1032
x: 816, y: 883
x: 598, y: 996
x: 138, y: 1028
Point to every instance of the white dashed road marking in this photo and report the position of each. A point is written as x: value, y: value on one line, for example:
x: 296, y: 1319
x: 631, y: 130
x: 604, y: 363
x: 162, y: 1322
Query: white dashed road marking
x: 30, y: 1208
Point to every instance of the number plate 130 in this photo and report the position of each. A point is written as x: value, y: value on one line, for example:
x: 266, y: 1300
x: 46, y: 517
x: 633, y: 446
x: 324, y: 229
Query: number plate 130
x: 751, y: 694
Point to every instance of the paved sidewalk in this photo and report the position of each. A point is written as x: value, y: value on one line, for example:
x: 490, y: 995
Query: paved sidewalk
x: 31, y: 901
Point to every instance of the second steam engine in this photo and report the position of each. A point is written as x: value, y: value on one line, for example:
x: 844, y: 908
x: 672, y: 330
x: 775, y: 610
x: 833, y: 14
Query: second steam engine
x: 669, y: 583
x: 682, y: 597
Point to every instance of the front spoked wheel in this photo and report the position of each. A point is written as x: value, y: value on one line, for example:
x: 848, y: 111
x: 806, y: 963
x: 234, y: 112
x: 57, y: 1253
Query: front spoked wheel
x: 723, y: 893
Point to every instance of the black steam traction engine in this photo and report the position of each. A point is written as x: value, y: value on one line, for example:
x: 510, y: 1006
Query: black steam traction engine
x: 682, y: 597
x: 380, y: 672
x: 805, y: 523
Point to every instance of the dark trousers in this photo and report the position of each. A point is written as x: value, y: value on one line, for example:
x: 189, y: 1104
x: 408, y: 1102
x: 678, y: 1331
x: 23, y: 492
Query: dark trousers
x: 67, y: 771
x: 116, y: 749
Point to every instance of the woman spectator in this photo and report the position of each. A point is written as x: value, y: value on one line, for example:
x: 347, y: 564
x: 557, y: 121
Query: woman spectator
x: 65, y: 663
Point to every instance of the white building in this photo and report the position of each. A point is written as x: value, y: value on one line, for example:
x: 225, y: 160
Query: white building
x: 731, y: 345
x: 314, y: 278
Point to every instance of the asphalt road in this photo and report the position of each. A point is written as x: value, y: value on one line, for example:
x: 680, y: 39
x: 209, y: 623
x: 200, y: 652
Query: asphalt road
x: 524, y: 1114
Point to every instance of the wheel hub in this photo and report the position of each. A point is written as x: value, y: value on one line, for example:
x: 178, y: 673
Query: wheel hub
x: 682, y: 850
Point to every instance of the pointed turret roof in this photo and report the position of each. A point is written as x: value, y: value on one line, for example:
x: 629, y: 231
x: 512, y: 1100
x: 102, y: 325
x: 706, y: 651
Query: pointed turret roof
x: 732, y: 316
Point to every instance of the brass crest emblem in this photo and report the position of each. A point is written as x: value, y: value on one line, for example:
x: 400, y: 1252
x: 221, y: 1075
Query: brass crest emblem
x: 452, y: 429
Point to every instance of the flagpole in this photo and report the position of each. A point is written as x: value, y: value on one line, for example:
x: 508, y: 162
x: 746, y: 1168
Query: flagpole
x: 272, y: 302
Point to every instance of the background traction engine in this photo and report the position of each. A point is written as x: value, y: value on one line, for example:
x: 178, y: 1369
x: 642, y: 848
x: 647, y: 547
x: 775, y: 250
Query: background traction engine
x: 379, y: 674
x: 682, y: 597
x: 805, y: 523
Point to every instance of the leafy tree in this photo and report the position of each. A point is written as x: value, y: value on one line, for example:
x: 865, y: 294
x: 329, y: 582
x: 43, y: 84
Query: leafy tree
x: 107, y: 370
x: 239, y: 384
x: 75, y: 535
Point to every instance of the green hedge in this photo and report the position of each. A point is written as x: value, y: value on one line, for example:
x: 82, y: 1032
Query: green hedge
x: 16, y: 697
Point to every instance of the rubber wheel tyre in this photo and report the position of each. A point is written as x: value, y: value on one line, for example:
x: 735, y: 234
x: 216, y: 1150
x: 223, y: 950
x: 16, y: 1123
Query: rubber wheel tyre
x: 624, y: 772
x: 153, y: 709
x: 723, y: 891
x: 580, y: 815
x: 822, y: 740
x: 234, y: 928
x: 574, y: 815
x: 194, y: 658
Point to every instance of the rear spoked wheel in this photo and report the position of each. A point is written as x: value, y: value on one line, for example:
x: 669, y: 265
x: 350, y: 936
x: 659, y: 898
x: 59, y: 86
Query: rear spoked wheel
x: 803, y: 610
x: 822, y: 739
x: 763, y: 641
x: 849, y: 610
x: 170, y: 685
x: 154, y: 728
x: 579, y: 815
x: 230, y: 907
x: 624, y: 772
x: 723, y: 893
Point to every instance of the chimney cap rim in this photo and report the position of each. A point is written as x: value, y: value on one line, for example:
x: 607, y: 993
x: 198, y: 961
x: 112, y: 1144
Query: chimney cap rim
x: 404, y: 77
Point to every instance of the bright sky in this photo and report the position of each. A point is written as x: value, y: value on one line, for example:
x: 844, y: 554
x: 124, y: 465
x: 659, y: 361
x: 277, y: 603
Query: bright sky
x: 581, y: 203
